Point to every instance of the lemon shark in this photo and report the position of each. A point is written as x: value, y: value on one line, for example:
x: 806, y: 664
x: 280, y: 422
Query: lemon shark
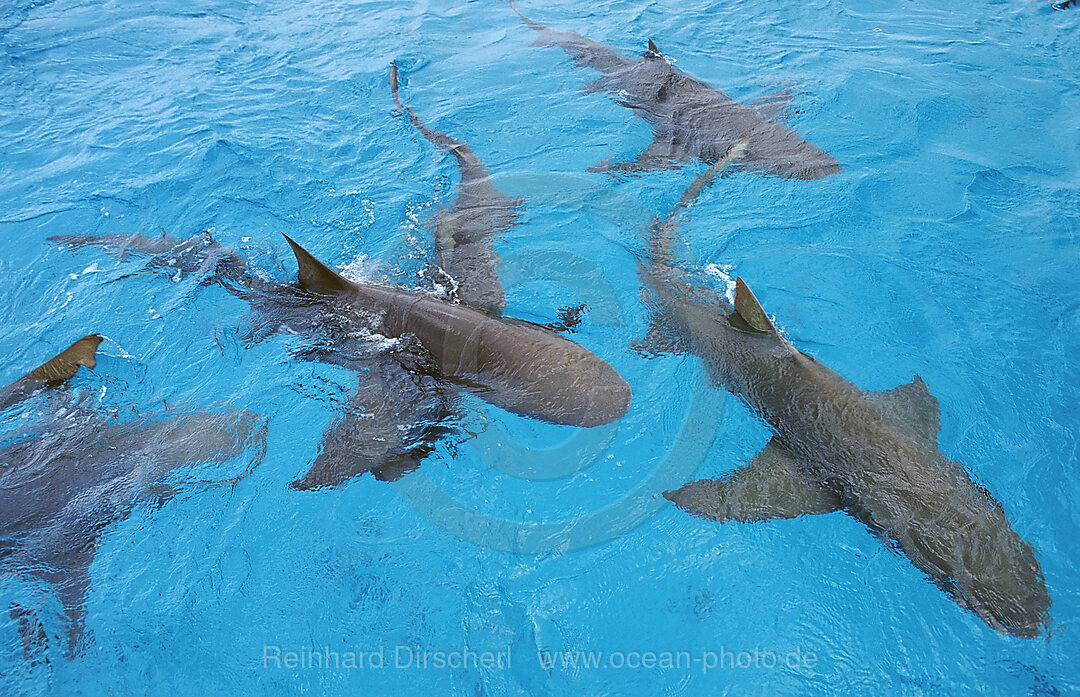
x: 464, y: 234
x: 404, y: 400
x: 74, y: 473
x: 836, y: 447
x: 689, y: 118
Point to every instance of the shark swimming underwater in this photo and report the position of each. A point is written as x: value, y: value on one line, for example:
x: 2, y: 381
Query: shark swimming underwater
x: 404, y: 400
x: 518, y: 366
x: 464, y: 234
x: 689, y: 118
x: 403, y: 403
x: 73, y: 473
x: 835, y: 447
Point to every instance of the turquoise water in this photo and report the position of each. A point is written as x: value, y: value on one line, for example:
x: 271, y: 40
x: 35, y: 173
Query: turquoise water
x: 947, y: 247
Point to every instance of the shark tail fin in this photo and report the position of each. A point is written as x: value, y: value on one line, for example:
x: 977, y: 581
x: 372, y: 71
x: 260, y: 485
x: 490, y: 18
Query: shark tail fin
x: 63, y: 365
x: 749, y: 309
x: 394, y: 85
x: 528, y: 22
x: 315, y: 275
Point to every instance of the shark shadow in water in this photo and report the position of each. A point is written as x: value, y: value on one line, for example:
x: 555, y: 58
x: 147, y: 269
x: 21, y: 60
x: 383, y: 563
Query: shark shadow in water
x: 74, y: 473
x: 689, y: 118
x: 835, y: 447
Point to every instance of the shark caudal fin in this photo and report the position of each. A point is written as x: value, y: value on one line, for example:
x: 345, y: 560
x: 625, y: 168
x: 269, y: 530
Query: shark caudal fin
x: 528, y: 22
x: 63, y: 365
x: 394, y: 85
x: 315, y: 275
x: 749, y: 310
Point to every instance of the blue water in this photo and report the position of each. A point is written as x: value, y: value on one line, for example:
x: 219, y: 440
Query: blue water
x: 947, y: 247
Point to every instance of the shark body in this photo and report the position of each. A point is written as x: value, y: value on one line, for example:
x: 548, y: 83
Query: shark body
x: 836, y: 447
x: 464, y: 233
x: 74, y: 473
x: 404, y: 400
x: 689, y: 118
x: 443, y: 347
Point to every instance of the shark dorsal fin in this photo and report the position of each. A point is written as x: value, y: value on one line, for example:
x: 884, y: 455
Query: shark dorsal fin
x: 913, y: 405
x: 63, y: 365
x: 749, y: 308
x: 315, y: 275
x: 653, y: 51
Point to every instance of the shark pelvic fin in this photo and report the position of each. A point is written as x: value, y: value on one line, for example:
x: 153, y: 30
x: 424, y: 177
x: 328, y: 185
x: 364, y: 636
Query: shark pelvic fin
x: 63, y: 365
x: 658, y: 340
x: 749, y: 309
x: 315, y: 275
x: 772, y: 486
x: 913, y: 405
x: 661, y: 154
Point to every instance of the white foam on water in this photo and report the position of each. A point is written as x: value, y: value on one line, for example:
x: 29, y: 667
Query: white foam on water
x: 724, y: 274
x: 377, y: 341
x: 93, y: 268
x: 360, y: 270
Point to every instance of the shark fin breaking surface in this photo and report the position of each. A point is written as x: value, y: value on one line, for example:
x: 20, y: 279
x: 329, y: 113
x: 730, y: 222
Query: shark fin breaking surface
x: 315, y: 275
x: 749, y: 309
x: 64, y: 365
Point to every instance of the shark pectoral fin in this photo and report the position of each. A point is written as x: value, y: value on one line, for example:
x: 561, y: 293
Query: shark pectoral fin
x: 120, y: 246
x: 393, y: 471
x: 661, y: 154
x: 158, y: 494
x: 315, y: 275
x: 913, y: 405
x: 351, y: 446
x: 391, y: 423
x: 601, y: 84
x: 570, y: 317
x: 771, y: 486
x: 749, y: 310
x: 254, y: 329
x: 72, y: 591
x: 66, y: 569
x: 658, y: 340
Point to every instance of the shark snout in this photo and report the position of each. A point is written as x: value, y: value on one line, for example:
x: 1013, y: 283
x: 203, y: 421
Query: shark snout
x: 610, y: 402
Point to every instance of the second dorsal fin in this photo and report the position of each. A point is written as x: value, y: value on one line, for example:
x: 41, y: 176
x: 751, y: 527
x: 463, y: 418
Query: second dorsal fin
x: 315, y: 275
x: 749, y: 308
